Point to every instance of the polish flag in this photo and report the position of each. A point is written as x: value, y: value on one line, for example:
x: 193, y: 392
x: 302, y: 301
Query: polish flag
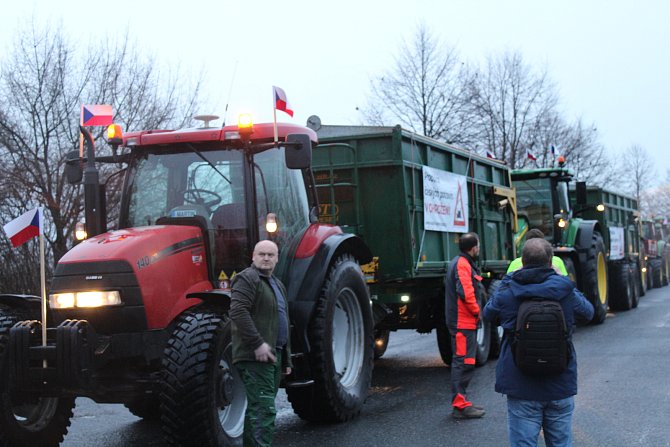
x: 530, y: 155
x: 96, y: 115
x: 281, y: 102
x: 25, y: 227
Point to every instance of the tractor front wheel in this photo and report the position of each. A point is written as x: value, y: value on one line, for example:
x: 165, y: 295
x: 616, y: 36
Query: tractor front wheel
x: 203, y: 399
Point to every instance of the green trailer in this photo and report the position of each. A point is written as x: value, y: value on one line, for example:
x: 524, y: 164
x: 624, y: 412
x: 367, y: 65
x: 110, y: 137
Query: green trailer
x: 409, y: 198
x: 621, y: 236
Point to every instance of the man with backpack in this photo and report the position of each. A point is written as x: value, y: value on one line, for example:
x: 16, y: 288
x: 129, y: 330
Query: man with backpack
x: 537, y: 368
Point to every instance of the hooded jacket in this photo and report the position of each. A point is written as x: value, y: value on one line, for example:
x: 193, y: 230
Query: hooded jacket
x: 545, y: 283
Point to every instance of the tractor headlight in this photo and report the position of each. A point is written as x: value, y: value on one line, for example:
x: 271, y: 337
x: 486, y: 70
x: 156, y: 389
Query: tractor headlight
x: 93, y: 298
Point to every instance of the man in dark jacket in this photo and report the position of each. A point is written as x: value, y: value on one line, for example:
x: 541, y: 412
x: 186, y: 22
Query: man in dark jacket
x: 533, y: 402
x: 463, y: 290
x: 260, y: 336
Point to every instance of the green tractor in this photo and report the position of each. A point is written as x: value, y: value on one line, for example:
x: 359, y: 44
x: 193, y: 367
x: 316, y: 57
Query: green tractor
x: 543, y: 202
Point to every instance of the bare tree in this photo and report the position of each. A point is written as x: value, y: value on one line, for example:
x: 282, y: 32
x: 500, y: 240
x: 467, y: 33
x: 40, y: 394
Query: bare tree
x: 636, y: 173
x: 43, y: 82
x: 424, y: 91
x: 511, y: 103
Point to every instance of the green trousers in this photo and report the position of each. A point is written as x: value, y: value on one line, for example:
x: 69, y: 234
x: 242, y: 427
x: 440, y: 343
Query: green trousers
x: 261, y: 381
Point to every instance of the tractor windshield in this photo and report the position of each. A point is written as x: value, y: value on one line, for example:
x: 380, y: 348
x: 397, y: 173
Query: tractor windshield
x: 534, y: 200
x: 211, y: 183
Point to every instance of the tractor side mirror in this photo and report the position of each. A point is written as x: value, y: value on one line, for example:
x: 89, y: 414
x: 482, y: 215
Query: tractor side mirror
x: 73, y: 170
x: 581, y: 193
x: 298, y: 152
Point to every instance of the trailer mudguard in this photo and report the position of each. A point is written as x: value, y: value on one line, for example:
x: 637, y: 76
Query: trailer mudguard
x: 306, y: 278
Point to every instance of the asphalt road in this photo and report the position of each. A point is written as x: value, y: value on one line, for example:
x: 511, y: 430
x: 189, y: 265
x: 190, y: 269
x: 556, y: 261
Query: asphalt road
x: 623, y: 400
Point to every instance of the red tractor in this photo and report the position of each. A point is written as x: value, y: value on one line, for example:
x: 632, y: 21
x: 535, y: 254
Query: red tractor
x: 138, y: 315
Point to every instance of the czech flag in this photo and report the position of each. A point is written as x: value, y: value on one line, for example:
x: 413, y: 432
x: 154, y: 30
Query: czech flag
x: 490, y: 154
x: 96, y: 115
x: 281, y: 102
x: 530, y: 155
x: 25, y: 227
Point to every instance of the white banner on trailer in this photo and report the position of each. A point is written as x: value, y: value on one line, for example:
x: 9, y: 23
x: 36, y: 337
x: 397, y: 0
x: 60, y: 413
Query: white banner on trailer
x: 616, y: 243
x: 445, y: 201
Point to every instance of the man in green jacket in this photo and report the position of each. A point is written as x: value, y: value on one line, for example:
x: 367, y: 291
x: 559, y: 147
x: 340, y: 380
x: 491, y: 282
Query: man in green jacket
x: 556, y: 262
x: 260, y: 336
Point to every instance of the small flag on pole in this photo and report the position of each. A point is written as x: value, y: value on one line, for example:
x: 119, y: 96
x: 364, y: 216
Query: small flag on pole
x: 490, y: 154
x: 96, y: 115
x: 25, y: 227
x: 530, y: 155
x: 281, y: 102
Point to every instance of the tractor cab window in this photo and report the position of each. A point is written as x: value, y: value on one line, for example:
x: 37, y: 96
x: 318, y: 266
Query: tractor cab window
x: 280, y: 191
x: 563, y: 197
x: 534, y: 199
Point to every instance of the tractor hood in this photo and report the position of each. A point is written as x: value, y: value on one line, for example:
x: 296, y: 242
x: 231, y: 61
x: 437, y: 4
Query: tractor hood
x: 141, y: 247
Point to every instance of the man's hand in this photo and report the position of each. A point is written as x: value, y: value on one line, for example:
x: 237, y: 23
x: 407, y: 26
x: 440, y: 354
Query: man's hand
x: 264, y: 354
x: 288, y: 371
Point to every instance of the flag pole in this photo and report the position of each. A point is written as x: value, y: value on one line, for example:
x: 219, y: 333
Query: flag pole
x: 274, y: 118
x: 44, y: 293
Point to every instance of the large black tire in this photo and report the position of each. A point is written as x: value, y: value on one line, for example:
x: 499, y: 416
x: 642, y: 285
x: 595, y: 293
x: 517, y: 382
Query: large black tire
x: 341, y: 340
x: 444, y: 343
x: 496, y: 329
x: 381, y: 342
x: 203, y: 399
x: 594, y: 278
x: 25, y: 421
x: 622, y: 286
x: 570, y: 268
x: 147, y: 408
x: 637, y: 287
x: 483, y: 335
x: 656, y: 273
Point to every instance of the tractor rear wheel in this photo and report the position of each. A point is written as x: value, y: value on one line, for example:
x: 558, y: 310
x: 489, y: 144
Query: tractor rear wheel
x: 341, y: 337
x: 203, y: 399
x: 595, y: 278
x: 26, y: 421
x: 622, y: 287
x: 444, y: 343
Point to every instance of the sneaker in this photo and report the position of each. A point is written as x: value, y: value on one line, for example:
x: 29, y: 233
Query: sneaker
x: 470, y: 412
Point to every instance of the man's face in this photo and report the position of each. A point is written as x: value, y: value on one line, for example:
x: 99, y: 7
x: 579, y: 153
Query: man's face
x: 475, y: 251
x: 265, y: 256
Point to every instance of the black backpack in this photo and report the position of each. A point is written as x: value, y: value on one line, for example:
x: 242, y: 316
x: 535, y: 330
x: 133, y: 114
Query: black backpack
x: 540, y: 344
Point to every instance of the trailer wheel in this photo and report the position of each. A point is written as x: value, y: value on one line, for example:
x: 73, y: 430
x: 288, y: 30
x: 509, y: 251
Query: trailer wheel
x: 483, y: 334
x: 444, y: 343
x: 147, y: 408
x: 656, y: 273
x: 621, y: 286
x: 637, y: 287
x: 203, y: 399
x: 28, y: 421
x: 381, y: 342
x: 595, y: 278
x: 496, y: 330
x: 341, y: 337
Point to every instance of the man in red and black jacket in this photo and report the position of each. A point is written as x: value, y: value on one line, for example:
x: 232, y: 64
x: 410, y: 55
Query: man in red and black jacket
x: 463, y: 289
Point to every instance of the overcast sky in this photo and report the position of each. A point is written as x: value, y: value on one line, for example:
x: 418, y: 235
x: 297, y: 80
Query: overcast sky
x: 609, y: 59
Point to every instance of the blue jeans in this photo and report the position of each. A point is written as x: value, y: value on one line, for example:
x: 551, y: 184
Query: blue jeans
x: 525, y: 418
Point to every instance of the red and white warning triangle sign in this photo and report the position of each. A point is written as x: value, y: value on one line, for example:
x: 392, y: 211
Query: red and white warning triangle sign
x: 459, y: 209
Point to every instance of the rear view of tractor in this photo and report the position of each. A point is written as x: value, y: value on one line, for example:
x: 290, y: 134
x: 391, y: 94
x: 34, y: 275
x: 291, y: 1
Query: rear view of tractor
x: 139, y: 315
